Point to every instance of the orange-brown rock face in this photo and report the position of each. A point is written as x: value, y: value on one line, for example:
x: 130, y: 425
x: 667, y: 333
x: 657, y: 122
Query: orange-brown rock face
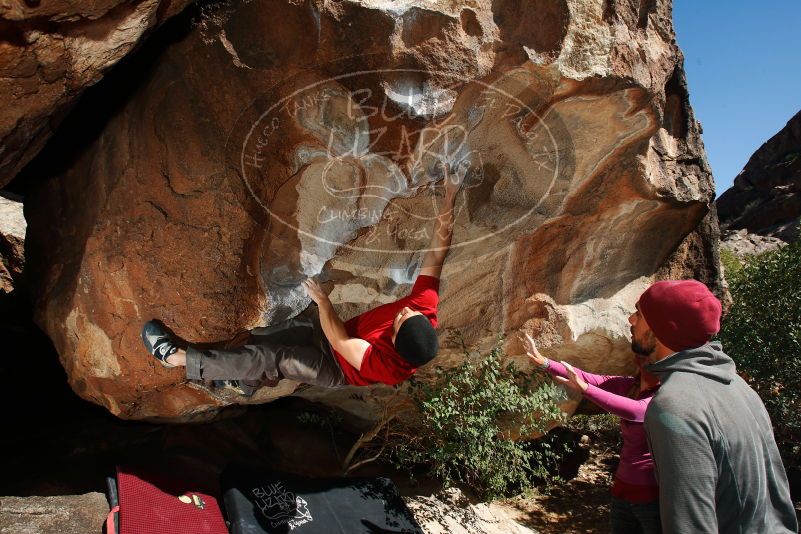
x: 50, y: 52
x: 279, y: 140
x: 12, y: 238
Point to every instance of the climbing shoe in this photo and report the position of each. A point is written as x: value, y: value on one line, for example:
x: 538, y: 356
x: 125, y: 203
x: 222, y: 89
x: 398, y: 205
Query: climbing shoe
x: 158, y: 342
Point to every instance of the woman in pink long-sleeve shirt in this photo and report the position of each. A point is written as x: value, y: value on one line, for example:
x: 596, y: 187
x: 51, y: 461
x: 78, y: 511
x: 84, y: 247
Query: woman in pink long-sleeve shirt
x: 635, y: 495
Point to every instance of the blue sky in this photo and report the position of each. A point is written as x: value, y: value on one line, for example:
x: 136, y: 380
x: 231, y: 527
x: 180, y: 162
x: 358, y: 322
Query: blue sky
x: 743, y: 63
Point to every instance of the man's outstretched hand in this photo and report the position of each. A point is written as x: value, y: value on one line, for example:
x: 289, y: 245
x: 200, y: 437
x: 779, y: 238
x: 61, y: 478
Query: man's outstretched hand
x: 315, y: 291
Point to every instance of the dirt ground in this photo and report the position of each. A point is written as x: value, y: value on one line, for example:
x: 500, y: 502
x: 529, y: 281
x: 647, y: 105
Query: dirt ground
x: 580, y: 505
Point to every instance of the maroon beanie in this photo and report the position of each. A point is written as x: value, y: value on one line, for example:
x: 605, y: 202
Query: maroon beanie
x: 682, y: 314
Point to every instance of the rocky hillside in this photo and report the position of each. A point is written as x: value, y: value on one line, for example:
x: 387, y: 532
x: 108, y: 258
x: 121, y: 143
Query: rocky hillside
x: 249, y: 145
x: 766, y: 196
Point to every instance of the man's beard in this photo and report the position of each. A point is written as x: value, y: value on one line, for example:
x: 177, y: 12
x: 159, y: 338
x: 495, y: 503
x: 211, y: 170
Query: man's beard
x: 644, y: 347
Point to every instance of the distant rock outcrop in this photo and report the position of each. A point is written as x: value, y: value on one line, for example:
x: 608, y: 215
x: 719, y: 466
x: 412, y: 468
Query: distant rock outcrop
x: 280, y: 140
x: 742, y: 244
x: 766, y: 196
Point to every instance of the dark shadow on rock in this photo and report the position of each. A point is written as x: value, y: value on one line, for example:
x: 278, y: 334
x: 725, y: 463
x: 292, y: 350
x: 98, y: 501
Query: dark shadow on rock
x: 55, y: 443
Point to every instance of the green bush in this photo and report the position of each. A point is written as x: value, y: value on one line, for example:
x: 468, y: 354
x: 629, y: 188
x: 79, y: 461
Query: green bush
x: 468, y: 422
x: 731, y: 264
x: 762, y: 333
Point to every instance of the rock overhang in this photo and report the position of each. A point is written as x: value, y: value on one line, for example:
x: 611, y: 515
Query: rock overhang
x: 243, y: 164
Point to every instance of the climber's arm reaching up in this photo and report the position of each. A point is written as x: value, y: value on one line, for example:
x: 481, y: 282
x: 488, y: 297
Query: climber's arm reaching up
x: 443, y: 228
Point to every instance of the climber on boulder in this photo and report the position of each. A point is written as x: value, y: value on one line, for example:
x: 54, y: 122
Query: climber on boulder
x: 383, y: 345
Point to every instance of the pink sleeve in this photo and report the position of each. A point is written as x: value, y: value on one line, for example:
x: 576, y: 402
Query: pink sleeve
x: 611, y: 383
x: 608, y: 392
x: 623, y: 407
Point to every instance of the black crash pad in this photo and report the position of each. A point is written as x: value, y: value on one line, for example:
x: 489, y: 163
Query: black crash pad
x: 268, y: 502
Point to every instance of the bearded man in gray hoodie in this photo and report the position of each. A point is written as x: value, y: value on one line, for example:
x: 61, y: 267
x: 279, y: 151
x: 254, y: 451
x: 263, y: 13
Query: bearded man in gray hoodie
x: 717, y: 463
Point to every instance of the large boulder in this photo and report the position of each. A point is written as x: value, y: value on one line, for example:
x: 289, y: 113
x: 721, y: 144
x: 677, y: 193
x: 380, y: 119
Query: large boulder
x: 277, y: 140
x: 50, y: 52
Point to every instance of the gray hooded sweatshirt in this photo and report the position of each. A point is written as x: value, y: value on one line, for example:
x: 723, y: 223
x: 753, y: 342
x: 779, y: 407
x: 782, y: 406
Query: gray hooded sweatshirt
x: 716, y: 460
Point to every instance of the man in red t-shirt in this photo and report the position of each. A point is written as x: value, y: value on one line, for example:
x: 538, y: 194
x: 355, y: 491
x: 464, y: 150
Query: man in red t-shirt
x: 383, y: 345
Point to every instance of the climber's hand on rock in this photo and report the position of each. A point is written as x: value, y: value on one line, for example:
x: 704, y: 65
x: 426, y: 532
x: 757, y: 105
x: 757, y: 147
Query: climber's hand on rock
x: 314, y: 290
x: 452, y: 180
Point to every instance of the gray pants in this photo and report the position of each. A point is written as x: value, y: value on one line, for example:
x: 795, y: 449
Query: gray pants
x: 296, y: 349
